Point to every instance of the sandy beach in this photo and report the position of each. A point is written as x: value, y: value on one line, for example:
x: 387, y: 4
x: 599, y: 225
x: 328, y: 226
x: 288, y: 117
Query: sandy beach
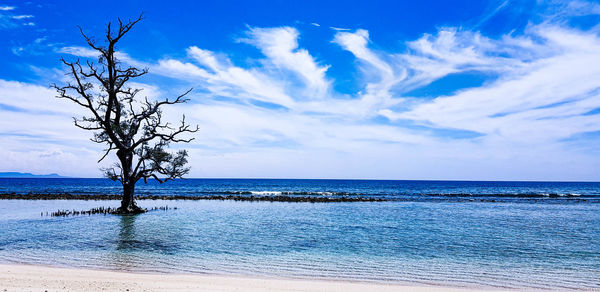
x: 38, y: 278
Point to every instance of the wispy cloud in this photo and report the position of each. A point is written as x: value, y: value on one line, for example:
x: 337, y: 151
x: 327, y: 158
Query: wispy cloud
x: 537, y: 92
x: 78, y: 51
x: 22, y: 16
x: 339, y: 28
x: 280, y: 46
x: 540, y: 95
x: 8, y: 20
x: 38, y: 46
x: 546, y: 85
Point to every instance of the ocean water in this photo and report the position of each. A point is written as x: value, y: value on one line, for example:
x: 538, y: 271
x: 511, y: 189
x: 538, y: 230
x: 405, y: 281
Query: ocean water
x: 520, y: 235
x: 386, y: 189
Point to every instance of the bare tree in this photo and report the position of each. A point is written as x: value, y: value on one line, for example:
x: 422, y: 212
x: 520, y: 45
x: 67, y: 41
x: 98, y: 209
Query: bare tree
x: 130, y: 126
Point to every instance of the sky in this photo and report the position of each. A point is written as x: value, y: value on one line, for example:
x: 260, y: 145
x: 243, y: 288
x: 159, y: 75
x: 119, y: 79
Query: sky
x: 439, y: 90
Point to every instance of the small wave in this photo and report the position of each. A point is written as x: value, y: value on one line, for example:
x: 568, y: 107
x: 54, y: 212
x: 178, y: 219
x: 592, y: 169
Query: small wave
x: 506, y: 195
x: 266, y: 193
x: 281, y: 193
x: 276, y: 195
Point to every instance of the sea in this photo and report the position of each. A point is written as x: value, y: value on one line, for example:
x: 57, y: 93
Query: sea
x: 522, y: 235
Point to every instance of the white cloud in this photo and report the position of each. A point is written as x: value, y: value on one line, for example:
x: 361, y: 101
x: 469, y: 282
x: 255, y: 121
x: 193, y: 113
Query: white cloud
x: 281, y: 117
x: 22, y: 16
x: 541, y: 101
x: 339, y: 28
x: 546, y: 83
x: 380, y: 75
x: 79, y: 51
x: 575, y: 8
x: 225, y: 79
x: 356, y: 43
x: 38, y: 46
x: 18, y: 50
x: 37, y: 132
x: 34, y: 123
x: 280, y: 46
x: 8, y: 20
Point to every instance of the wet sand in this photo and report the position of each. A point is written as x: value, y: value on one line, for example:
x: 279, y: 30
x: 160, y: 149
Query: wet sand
x: 39, y: 278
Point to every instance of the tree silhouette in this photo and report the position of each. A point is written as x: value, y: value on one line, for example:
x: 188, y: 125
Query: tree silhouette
x: 130, y: 126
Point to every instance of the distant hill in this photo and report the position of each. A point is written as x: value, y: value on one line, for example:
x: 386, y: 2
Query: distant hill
x: 28, y: 175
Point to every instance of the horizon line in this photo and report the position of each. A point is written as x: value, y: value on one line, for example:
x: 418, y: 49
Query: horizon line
x: 354, y: 179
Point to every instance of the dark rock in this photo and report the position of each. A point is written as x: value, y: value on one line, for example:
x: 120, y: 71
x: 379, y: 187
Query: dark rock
x: 279, y: 198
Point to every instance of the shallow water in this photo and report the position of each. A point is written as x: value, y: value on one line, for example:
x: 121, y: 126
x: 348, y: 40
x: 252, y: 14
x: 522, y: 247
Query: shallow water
x: 506, y: 244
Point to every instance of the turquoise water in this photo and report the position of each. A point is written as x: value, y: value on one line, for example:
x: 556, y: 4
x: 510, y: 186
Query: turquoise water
x: 517, y: 243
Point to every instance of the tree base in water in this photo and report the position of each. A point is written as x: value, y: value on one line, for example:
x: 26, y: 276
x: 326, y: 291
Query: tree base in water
x: 132, y: 210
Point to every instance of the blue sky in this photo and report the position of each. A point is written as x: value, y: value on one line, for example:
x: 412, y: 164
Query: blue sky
x: 497, y: 90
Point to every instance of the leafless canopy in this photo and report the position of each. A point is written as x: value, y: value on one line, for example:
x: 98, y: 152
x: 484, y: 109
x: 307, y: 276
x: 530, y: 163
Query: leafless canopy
x: 131, y: 126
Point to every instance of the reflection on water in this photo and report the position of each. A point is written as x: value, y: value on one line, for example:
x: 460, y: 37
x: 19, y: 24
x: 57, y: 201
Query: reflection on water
x: 139, y: 244
x: 122, y: 256
x: 126, y: 232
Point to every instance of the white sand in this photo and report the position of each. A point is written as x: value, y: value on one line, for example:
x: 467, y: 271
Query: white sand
x: 36, y: 278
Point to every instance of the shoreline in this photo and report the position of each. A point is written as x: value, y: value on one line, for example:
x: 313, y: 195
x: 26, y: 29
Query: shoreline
x: 24, y: 277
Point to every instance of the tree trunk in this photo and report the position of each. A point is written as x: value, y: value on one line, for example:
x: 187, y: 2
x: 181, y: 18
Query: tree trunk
x: 128, y: 205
